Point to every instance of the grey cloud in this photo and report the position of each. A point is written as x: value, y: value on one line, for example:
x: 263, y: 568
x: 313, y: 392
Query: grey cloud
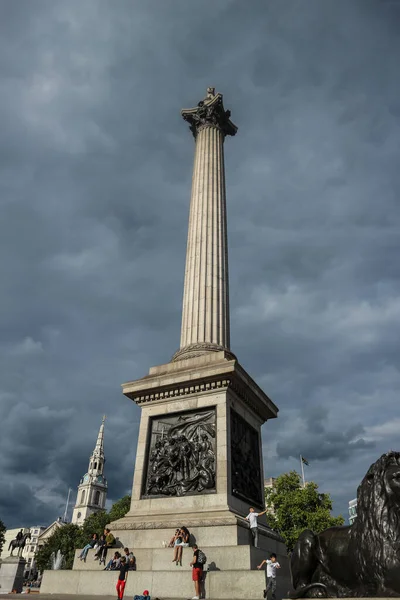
x: 318, y: 443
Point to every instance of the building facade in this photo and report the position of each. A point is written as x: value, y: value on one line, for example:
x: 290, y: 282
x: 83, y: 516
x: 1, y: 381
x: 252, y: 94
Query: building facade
x: 352, y: 511
x: 31, y: 547
x: 39, y: 535
x: 269, y: 482
x: 92, y: 489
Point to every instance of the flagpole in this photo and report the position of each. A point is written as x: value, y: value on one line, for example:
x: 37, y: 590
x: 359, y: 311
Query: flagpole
x: 302, y: 471
x: 66, y: 508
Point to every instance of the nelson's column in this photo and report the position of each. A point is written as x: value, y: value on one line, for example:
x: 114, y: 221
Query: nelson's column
x: 199, y: 457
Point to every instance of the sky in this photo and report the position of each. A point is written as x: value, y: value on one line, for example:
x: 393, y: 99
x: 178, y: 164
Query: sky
x: 95, y: 176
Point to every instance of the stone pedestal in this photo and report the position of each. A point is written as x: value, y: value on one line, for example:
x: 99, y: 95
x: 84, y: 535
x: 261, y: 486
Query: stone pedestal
x: 216, y: 385
x: 12, y: 574
x: 215, y: 391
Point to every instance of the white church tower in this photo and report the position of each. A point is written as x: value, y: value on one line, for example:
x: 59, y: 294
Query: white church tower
x: 92, y: 489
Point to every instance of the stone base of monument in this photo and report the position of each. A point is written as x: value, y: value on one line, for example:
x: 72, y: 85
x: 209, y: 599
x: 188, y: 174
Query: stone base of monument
x: 172, y: 583
x: 231, y: 570
x: 12, y: 574
x: 212, y: 529
x: 216, y: 391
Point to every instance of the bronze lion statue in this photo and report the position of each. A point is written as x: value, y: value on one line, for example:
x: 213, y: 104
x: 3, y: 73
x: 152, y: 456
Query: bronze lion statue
x: 362, y: 559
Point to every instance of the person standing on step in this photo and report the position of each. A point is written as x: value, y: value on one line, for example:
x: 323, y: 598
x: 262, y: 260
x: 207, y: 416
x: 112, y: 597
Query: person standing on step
x: 252, y: 518
x: 197, y: 564
x: 272, y: 566
x: 123, y: 571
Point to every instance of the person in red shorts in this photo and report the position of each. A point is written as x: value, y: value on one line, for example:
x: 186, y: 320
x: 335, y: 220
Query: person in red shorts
x: 197, y: 572
x: 124, y: 568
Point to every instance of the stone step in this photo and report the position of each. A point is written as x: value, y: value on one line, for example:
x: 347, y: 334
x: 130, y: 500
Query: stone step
x: 160, y: 559
x: 221, y: 535
x: 218, y: 585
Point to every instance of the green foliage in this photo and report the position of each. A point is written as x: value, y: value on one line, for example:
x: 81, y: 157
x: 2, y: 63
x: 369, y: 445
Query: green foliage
x: 65, y: 539
x: 119, y: 509
x: 297, y: 508
x: 70, y: 537
x: 95, y: 523
x: 2, y: 536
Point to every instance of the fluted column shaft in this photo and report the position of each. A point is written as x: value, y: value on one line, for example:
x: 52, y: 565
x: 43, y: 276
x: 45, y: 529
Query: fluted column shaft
x: 205, y: 315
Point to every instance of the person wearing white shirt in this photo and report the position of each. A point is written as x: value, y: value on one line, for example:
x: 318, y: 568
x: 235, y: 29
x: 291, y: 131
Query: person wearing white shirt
x: 252, y: 518
x: 272, y: 566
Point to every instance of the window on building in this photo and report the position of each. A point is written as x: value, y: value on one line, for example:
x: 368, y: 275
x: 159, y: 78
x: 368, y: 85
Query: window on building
x: 32, y: 548
x: 36, y: 532
x: 34, y: 540
x: 97, y: 498
x: 29, y: 561
x: 95, y: 465
x: 83, y: 497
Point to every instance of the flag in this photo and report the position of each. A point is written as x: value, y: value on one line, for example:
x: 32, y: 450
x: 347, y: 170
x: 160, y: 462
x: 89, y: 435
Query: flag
x: 304, y: 461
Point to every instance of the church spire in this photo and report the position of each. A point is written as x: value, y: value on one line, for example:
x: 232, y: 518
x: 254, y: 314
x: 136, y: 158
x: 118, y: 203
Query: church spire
x: 97, y: 460
x: 99, y: 448
x: 92, y: 489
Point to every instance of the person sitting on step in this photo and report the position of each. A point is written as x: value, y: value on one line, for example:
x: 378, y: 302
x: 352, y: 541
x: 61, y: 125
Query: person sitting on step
x: 174, y: 538
x: 109, y: 543
x: 114, y: 563
x: 101, y: 543
x: 183, y: 542
x: 94, y: 540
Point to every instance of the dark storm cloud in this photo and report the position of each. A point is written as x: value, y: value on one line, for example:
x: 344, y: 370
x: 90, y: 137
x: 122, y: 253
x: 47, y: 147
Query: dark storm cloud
x: 314, y: 441
x: 95, y: 171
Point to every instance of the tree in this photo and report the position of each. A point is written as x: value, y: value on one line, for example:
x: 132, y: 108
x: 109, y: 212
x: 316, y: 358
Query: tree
x: 2, y: 536
x: 294, y: 508
x: 95, y: 523
x: 70, y: 537
x: 66, y: 539
x: 119, y: 509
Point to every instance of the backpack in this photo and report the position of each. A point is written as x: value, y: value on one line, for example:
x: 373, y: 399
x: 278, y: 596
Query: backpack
x: 201, y: 558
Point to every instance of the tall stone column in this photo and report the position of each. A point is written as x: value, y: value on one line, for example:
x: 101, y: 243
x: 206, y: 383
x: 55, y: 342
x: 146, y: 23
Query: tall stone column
x: 205, y: 314
x: 199, y: 459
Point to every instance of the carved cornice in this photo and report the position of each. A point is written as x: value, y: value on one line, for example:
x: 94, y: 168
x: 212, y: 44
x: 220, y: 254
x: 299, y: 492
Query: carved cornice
x: 209, y: 112
x: 117, y: 525
x: 185, y: 389
x: 199, y: 349
x: 180, y: 389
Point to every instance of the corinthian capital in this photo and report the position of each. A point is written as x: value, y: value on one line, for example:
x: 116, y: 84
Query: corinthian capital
x: 209, y: 112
